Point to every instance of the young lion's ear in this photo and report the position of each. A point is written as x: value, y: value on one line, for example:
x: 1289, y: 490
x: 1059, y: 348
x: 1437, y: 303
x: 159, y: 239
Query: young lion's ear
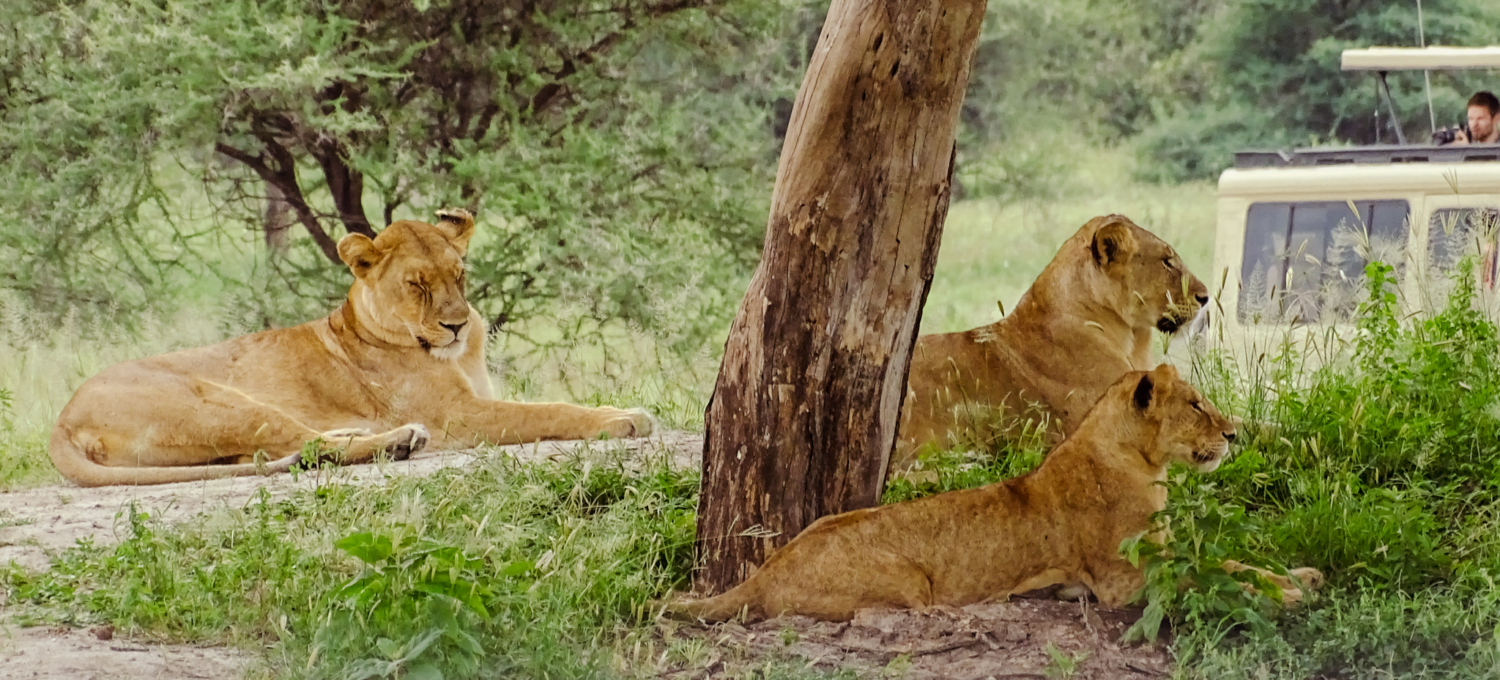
x: 1144, y: 391
x: 459, y: 224
x: 1113, y: 241
x: 359, y: 252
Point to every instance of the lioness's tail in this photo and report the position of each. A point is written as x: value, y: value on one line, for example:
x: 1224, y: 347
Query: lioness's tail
x: 70, y: 455
x: 718, y: 608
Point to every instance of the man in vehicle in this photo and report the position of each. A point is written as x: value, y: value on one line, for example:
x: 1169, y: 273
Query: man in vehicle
x: 1484, y: 108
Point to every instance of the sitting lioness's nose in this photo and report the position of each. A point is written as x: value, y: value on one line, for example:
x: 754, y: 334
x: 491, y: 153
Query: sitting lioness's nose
x: 1229, y: 436
x: 455, y: 327
x: 1202, y: 299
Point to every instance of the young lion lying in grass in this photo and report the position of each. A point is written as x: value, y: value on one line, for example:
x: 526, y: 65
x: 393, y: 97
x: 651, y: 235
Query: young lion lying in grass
x: 1062, y: 523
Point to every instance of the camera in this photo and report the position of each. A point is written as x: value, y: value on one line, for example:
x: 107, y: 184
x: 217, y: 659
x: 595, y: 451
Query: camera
x: 1447, y: 135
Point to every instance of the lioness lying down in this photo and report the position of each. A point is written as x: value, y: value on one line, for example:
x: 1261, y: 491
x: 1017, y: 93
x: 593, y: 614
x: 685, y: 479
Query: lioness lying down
x: 399, y: 366
x: 1085, y: 322
x: 1062, y: 523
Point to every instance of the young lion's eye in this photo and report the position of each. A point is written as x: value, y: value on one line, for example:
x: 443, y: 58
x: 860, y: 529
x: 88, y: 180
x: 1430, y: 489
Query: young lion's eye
x: 1167, y: 262
x: 1198, y: 406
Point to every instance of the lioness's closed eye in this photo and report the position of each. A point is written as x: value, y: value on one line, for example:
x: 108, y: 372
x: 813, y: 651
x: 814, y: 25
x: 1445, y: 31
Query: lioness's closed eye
x: 1062, y: 523
x: 398, y: 367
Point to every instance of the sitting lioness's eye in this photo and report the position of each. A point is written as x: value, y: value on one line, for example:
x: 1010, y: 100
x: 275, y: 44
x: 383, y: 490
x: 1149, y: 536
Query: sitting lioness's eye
x: 1198, y: 406
x: 1167, y: 262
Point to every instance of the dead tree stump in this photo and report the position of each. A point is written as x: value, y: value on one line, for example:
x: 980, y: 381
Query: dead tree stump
x: 804, y: 414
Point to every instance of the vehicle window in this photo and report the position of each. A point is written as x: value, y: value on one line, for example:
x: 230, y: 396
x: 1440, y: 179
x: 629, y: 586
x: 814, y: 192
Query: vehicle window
x: 1304, y: 261
x: 1453, y: 233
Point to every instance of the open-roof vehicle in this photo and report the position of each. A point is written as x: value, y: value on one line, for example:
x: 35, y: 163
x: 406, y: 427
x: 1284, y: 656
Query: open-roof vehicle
x: 1296, y: 228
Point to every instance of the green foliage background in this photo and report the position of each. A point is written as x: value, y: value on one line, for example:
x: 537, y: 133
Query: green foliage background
x: 619, y: 153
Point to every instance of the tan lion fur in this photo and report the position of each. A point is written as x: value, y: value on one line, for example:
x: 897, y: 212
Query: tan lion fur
x: 1086, y: 321
x: 400, y: 365
x: 1060, y: 524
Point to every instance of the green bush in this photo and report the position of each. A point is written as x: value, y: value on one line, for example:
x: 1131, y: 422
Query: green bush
x: 1379, y: 467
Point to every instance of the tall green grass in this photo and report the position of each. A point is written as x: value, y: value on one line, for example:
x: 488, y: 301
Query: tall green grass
x: 1380, y: 467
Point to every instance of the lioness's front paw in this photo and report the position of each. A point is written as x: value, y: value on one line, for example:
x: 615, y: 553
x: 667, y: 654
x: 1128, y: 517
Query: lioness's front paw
x: 630, y: 422
x: 410, y: 439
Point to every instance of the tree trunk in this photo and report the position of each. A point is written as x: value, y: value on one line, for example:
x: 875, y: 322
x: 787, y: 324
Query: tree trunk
x: 277, y: 222
x: 804, y: 415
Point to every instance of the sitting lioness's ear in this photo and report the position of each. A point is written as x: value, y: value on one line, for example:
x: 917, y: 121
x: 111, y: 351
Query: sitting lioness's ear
x: 1113, y: 242
x: 359, y: 252
x: 459, y: 224
x: 1143, y: 392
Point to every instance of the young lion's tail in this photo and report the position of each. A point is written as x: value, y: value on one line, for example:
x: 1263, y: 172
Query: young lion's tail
x: 717, y: 608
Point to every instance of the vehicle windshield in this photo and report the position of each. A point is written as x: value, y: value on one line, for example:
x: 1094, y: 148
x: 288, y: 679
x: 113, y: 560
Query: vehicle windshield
x: 1303, y: 261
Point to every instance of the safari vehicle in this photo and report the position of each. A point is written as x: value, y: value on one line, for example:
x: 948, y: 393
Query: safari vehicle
x: 1296, y: 229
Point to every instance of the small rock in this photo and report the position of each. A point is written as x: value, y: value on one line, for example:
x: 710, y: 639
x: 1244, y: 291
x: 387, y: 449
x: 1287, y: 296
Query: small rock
x: 104, y: 632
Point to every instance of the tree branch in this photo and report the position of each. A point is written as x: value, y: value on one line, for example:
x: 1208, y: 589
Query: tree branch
x: 284, y: 177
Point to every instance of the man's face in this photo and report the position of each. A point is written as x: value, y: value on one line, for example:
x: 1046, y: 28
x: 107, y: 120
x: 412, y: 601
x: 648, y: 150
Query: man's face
x: 1481, y: 123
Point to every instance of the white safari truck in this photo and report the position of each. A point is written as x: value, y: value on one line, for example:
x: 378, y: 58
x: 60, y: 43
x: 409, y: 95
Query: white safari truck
x: 1296, y: 228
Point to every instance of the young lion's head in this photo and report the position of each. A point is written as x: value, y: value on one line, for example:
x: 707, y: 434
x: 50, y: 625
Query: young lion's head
x: 1177, y: 422
x: 1138, y: 275
x: 409, y: 282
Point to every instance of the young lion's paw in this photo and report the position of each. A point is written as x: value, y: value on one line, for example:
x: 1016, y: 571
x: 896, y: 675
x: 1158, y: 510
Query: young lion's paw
x: 1311, y: 578
x: 630, y: 422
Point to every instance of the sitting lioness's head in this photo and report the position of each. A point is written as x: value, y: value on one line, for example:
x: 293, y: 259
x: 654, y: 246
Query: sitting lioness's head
x: 409, y: 282
x: 1186, y: 428
x: 1139, y: 275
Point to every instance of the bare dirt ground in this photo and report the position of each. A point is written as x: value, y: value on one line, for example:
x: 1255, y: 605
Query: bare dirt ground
x: 50, y: 653
x: 1003, y: 641
x: 998, y: 641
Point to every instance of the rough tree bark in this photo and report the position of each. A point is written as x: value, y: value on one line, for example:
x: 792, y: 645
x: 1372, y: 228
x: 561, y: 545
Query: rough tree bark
x: 804, y: 415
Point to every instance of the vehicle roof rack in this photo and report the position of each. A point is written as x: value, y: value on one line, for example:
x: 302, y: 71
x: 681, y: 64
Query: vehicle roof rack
x: 1419, y: 58
x: 1383, y: 153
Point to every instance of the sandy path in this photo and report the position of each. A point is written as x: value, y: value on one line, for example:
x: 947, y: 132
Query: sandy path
x: 38, y: 523
x: 47, y: 653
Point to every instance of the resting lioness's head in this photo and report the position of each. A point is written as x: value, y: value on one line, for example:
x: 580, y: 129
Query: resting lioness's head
x: 1138, y: 275
x: 1179, y: 423
x: 409, y: 282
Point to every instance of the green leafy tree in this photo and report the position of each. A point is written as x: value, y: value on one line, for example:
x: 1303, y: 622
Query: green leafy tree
x: 614, y: 150
x: 1266, y: 73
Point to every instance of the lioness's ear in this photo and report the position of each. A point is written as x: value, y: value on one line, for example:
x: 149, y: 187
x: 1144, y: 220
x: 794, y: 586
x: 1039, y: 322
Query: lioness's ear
x: 1143, y: 392
x: 359, y: 252
x: 1166, y: 373
x: 459, y: 224
x: 1113, y: 242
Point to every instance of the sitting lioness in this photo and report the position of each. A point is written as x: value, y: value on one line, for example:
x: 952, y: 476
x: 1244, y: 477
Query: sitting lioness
x: 1085, y: 322
x: 1062, y: 523
x: 399, y: 366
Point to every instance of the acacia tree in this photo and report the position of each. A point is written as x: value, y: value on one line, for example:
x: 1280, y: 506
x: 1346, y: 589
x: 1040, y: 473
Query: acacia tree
x: 591, y: 135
